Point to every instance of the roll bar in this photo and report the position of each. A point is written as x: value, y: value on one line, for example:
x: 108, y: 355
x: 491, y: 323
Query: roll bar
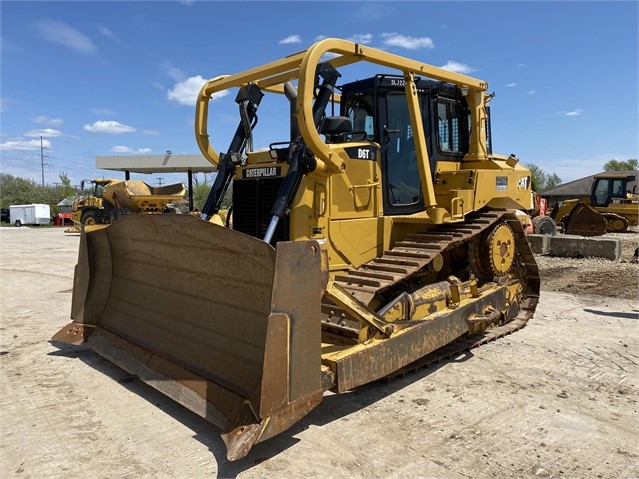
x: 302, y: 66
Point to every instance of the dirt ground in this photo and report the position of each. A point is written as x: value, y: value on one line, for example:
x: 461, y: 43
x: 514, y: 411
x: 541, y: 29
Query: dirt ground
x: 595, y: 275
x: 557, y: 399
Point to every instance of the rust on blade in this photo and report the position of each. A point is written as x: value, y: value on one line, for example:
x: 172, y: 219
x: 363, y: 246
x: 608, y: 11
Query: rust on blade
x: 73, y: 333
x: 217, y: 320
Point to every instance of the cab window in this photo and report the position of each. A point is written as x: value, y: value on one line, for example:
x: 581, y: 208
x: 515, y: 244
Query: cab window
x: 449, y: 126
x: 360, y: 113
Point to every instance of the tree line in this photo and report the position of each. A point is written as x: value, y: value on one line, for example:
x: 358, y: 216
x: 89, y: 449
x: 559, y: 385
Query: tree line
x: 18, y: 191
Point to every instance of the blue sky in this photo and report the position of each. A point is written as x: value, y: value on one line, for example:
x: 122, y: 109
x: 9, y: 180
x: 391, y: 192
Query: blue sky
x: 107, y: 78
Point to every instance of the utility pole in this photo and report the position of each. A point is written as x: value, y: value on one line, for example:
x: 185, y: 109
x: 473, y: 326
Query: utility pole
x: 42, y: 160
x: 160, y: 181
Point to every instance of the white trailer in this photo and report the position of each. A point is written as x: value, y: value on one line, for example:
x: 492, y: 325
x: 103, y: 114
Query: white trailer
x: 30, y: 214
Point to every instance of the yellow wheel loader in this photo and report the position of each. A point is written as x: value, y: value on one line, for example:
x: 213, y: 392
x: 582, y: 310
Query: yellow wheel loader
x: 611, y: 207
x: 377, y: 234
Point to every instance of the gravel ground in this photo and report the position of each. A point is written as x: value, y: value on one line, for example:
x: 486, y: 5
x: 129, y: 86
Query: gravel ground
x: 557, y: 399
x: 594, y: 276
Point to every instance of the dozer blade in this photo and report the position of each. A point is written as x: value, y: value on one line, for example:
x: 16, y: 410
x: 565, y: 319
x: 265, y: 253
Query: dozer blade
x: 221, y: 322
x: 584, y: 220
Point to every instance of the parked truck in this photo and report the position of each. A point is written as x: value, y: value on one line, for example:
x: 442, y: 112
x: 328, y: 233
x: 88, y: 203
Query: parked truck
x: 35, y: 214
x: 111, y: 199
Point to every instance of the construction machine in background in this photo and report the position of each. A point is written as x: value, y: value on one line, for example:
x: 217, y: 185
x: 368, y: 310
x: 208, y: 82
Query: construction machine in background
x: 377, y: 234
x: 611, y: 207
x: 111, y: 199
x: 538, y: 220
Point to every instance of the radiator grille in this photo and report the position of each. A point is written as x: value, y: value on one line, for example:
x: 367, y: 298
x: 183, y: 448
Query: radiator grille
x: 252, y: 203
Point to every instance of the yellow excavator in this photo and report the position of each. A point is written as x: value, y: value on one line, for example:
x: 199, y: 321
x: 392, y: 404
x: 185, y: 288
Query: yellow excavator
x: 376, y: 234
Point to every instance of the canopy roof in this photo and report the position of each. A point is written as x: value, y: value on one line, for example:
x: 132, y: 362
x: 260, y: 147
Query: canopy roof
x: 167, y: 163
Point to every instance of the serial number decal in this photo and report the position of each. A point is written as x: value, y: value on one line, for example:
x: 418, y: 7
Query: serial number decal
x: 265, y: 172
x: 362, y: 152
x: 502, y: 183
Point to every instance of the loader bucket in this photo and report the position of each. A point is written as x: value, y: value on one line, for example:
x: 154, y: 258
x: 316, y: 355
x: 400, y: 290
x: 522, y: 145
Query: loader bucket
x: 584, y: 220
x: 221, y: 322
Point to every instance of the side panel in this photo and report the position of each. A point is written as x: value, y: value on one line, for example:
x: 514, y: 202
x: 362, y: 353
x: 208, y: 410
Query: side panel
x: 509, y: 188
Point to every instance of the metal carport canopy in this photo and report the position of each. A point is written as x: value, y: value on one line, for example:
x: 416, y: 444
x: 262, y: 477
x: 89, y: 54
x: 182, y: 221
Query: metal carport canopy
x: 167, y: 163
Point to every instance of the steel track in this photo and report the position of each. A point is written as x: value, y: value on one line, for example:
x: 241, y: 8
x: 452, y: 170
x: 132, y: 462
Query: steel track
x: 411, y: 256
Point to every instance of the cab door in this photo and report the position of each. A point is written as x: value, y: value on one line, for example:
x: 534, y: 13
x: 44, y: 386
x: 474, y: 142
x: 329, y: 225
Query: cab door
x: 402, y: 191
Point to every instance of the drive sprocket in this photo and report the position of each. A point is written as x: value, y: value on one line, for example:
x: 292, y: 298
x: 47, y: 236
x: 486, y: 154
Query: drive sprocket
x: 492, y: 254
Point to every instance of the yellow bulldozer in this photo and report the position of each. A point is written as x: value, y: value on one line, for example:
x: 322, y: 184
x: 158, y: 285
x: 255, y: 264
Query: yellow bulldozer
x: 611, y: 207
x: 110, y: 199
x: 377, y: 233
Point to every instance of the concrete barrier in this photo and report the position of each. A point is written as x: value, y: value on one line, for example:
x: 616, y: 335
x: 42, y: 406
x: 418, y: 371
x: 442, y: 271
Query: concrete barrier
x: 538, y: 243
x: 572, y: 246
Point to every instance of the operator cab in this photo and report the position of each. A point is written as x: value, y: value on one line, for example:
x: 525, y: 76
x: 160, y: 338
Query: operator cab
x: 377, y: 107
x: 607, y: 188
x: 97, y: 186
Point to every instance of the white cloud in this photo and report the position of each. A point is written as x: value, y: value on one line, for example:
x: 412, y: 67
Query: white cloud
x: 291, y: 39
x: 7, y: 103
x: 108, y: 33
x: 186, y: 92
x: 43, y: 120
x: 361, y: 38
x: 457, y: 67
x: 24, y: 145
x: 122, y: 149
x: 61, y: 33
x: 45, y: 132
x: 329, y: 55
x: 113, y: 127
x: 175, y: 73
x: 576, y: 112
x: 105, y: 31
x: 127, y: 149
x: 531, y: 92
x: 510, y: 85
x: 403, y: 41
